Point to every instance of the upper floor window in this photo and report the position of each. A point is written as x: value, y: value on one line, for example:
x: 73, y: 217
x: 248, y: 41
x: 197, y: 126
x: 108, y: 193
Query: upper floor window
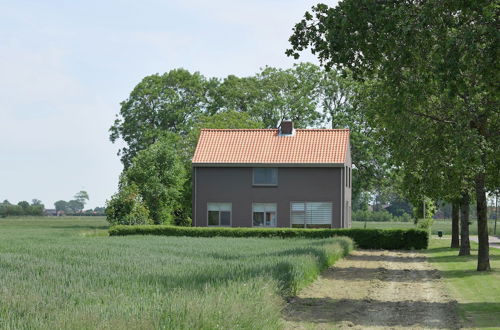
x: 265, y: 176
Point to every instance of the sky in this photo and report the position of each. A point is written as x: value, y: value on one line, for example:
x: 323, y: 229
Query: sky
x: 65, y: 66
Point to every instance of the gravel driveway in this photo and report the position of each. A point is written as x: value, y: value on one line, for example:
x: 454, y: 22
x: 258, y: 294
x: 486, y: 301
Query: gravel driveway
x: 375, y: 290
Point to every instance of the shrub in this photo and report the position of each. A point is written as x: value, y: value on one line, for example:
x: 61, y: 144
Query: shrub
x: 127, y: 208
x: 425, y: 224
x: 391, y: 239
x: 160, y: 176
x: 183, y: 221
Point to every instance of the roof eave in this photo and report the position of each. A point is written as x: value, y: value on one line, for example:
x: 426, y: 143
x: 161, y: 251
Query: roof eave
x: 268, y: 164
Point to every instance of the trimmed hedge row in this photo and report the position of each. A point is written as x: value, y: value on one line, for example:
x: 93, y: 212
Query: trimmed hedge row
x: 388, y: 239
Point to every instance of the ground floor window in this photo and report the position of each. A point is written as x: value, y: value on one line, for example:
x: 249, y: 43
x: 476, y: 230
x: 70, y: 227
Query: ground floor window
x: 311, y: 213
x: 219, y: 214
x: 264, y: 214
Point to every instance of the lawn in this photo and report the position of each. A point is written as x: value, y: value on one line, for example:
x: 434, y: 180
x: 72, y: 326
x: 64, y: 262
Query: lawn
x: 442, y: 225
x: 66, y: 274
x: 477, y: 293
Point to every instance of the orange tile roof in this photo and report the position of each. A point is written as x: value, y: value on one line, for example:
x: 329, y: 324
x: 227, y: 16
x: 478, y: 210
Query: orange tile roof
x: 266, y: 146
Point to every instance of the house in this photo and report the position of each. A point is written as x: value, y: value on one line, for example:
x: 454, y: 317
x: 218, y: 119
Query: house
x: 50, y: 212
x: 281, y: 177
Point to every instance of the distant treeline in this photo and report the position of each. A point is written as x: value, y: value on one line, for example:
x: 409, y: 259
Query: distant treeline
x: 37, y: 208
x: 22, y: 208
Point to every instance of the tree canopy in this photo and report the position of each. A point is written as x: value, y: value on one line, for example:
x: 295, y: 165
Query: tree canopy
x: 433, y: 65
x: 160, y: 175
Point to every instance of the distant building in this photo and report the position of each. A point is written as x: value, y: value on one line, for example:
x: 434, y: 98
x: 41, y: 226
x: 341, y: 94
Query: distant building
x: 50, y: 212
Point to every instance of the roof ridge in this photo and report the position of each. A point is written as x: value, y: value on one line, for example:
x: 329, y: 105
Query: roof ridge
x: 239, y: 129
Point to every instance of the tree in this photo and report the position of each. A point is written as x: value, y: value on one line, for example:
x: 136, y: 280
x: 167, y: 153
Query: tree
x: 464, y: 225
x: 159, y: 104
x: 61, y: 206
x: 289, y: 94
x: 436, y: 62
x: 25, y: 206
x: 455, y: 224
x: 36, y: 208
x: 160, y: 175
x: 399, y: 206
x: 343, y: 101
x: 82, y: 196
x: 127, y: 208
x: 273, y: 94
x: 75, y: 206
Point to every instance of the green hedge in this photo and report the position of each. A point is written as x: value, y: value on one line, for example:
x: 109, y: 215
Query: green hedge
x: 390, y: 239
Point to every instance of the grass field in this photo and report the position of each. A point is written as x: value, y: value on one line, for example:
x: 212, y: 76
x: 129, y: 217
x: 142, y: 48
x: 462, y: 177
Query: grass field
x: 443, y: 225
x: 477, y: 293
x: 65, y: 274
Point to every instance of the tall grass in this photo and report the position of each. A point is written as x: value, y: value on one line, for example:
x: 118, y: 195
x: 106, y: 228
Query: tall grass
x: 56, y: 274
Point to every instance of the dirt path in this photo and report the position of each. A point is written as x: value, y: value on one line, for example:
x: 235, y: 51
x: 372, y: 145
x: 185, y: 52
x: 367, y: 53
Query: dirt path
x: 493, y: 240
x: 374, y: 290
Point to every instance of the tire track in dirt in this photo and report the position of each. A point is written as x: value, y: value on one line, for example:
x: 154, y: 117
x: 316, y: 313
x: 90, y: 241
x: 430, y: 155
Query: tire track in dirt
x: 375, y: 290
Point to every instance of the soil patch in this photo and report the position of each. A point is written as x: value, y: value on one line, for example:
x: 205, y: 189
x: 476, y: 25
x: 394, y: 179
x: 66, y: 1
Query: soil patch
x: 375, y: 290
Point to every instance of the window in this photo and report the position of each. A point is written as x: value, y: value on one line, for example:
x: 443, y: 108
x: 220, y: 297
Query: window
x: 264, y: 176
x: 219, y: 214
x: 264, y: 215
x: 311, y: 213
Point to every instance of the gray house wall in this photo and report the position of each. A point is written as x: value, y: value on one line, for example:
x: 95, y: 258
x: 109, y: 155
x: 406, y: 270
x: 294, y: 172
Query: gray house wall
x: 234, y: 185
x: 348, y: 191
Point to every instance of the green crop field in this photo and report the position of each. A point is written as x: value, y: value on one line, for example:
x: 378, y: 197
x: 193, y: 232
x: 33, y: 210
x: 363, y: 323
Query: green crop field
x: 67, y: 274
x: 443, y: 225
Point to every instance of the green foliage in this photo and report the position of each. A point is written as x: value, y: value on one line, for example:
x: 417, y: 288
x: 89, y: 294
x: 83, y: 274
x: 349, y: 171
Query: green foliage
x: 379, y: 216
x: 24, y: 205
x: 82, y: 196
x: 61, y: 206
x: 159, y: 104
x: 127, y: 208
x: 425, y: 224
x: 430, y: 208
x: 150, y: 282
x: 289, y: 94
x: 36, y: 208
x: 75, y: 206
x: 433, y: 73
x: 393, y: 239
x: 159, y: 175
x: 399, y: 207
x: 183, y: 222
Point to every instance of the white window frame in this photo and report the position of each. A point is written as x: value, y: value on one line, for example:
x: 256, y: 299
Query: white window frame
x: 230, y: 214
x: 305, y: 212
x: 275, y: 211
x: 264, y: 184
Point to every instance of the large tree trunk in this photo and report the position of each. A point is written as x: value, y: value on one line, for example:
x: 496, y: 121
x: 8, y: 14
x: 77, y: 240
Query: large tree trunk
x: 483, y: 256
x: 455, y: 227
x: 464, y: 225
